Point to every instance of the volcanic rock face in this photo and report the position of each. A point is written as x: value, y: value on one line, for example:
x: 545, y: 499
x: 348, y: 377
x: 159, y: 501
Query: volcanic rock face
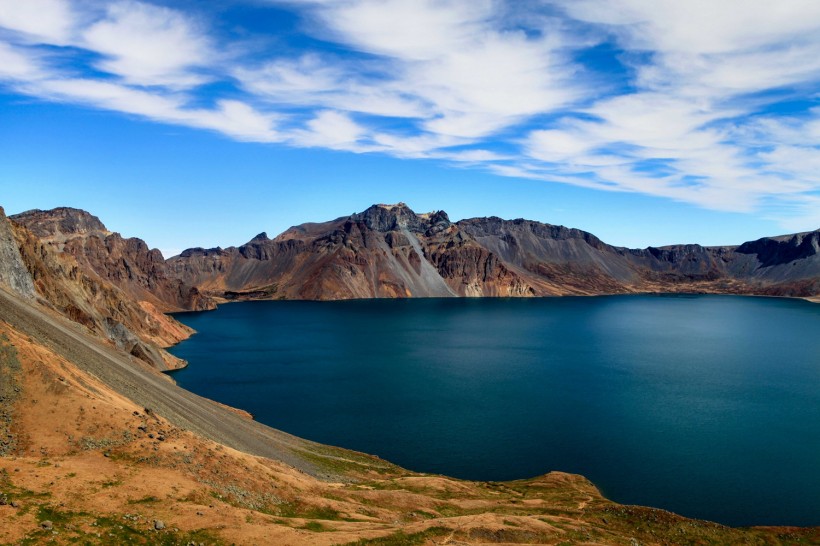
x: 390, y: 251
x: 127, y: 263
x: 13, y: 272
x: 74, y: 288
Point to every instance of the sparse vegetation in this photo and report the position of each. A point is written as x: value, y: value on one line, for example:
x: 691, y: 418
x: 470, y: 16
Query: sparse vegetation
x: 400, y: 538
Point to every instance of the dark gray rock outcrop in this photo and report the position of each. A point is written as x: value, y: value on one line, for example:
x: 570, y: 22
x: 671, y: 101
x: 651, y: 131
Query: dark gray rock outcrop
x: 13, y: 272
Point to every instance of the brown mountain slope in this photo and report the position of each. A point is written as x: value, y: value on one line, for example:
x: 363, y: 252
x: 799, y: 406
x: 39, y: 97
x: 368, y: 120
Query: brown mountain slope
x: 390, y: 251
x: 67, y: 288
x: 127, y: 263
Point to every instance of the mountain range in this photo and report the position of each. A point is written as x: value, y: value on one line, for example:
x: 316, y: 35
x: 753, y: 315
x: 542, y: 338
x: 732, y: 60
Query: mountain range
x: 390, y: 251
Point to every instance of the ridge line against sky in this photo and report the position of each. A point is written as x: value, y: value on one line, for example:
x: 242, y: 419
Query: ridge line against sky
x: 714, y: 104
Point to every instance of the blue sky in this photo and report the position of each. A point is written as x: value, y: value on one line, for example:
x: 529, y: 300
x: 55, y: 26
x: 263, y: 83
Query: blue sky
x: 646, y: 122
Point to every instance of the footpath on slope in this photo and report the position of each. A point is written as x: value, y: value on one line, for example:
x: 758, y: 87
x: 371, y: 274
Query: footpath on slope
x: 150, y: 389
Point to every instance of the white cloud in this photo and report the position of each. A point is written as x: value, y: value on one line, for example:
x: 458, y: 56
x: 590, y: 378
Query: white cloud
x: 473, y: 75
x: 556, y: 146
x: 312, y: 81
x: 701, y: 26
x: 149, y: 45
x: 410, y: 30
x: 18, y: 64
x: 47, y: 21
x: 232, y: 118
x: 333, y: 130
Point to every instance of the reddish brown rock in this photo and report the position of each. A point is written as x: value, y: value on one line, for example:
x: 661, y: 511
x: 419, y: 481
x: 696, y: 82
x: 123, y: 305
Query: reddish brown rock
x: 390, y: 251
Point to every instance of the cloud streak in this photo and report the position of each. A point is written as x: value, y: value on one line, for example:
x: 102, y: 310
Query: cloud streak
x: 710, y: 103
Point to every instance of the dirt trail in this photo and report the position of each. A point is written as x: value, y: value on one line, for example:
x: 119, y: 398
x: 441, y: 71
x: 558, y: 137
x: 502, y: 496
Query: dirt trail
x: 151, y: 389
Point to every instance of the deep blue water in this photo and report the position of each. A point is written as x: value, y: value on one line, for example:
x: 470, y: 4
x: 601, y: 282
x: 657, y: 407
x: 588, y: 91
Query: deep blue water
x: 708, y: 406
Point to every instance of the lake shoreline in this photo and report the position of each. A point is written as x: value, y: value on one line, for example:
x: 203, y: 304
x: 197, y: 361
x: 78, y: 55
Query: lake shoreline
x: 351, y: 313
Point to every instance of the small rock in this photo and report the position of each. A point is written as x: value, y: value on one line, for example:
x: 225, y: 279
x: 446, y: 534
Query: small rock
x: 150, y: 435
x: 15, y: 504
x: 142, y: 428
x: 159, y: 525
x: 106, y: 454
x: 47, y: 525
x: 161, y: 438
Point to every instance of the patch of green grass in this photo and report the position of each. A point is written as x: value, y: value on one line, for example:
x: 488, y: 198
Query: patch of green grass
x: 112, y: 483
x: 114, y: 531
x: 144, y: 500
x: 108, y: 530
x: 400, y: 538
x: 342, y: 462
x: 298, y: 510
x: 316, y: 527
x: 54, y: 515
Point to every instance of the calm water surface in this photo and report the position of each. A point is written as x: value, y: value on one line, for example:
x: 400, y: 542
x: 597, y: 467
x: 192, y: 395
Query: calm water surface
x: 708, y: 406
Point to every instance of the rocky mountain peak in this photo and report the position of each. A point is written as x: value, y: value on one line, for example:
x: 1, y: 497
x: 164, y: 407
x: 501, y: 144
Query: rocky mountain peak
x: 384, y: 218
x: 784, y: 249
x: 60, y: 223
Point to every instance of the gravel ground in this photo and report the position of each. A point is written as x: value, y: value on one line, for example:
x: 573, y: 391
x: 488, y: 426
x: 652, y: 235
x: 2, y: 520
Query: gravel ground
x: 9, y: 391
x: 151, y: 389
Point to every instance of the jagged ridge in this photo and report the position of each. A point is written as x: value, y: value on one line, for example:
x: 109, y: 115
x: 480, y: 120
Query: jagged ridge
x: 390, y: 251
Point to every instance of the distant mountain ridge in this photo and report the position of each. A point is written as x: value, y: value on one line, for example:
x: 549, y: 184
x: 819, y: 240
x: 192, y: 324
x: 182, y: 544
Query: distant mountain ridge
x: 390, y: 251
x: 121, y: 289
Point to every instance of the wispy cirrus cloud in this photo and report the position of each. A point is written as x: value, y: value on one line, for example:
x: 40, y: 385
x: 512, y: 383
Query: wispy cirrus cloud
x: 710, y: 103
x: 146, y: 45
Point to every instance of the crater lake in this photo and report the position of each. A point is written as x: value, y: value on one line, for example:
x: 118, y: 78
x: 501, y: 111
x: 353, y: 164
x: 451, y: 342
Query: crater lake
x: 708, y: 406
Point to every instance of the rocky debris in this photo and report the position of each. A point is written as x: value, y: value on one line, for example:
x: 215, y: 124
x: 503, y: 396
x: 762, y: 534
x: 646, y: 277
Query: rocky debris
x: 13, y: 272
x: 159, y: 525
x: 10, y: 389
x: 48, y: 525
